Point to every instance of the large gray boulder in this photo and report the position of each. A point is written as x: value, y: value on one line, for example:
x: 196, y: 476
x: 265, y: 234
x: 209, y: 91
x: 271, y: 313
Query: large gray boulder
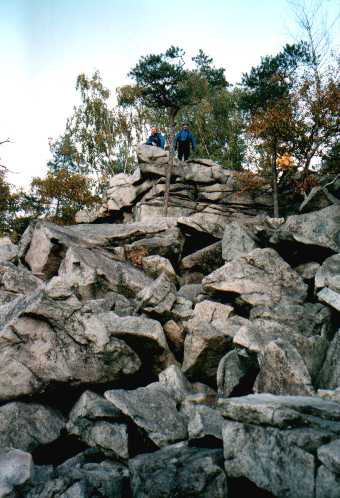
x: 96, y: 422
x: 232, y: 369
x: 328, y: 275
x: 153, y: 409
x: 8, y: 250
x: 26, y: 426
x: 261, y: 277
x: 43, y: 341
x: 329, y: 377
x: 16, y: 469
x: 180, y: 471
x: 262, y: 455
x: 159, y: 297
x: 236, y: 241
x: 282, y: 371
x: 318, y: 228
x: 204, y: 347
x: 330, y: 297
x: 205, y: 260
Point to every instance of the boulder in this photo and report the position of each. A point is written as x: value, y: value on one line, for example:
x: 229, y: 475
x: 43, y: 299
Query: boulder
x: 307, y: 270
x: 205, y: 426
x: 330, y: 297
x: 151, y: 154
x: 175, y: 381
x: 232, y: 370
x: 329, y: 376
x: 282, y: 371
x: 329, y: 455
x: 8, y: 250
x: 328, y: 275
x: 96, y: 422
x: 206, y: 260
x: 190, y: 292
x: 237, y: 241
x: 175, y: 335
x: 44, y: 341
x: 154, y: 266
x: 159, y: 297
x: 153, y: 409
x: 212, y: 223
x: 262, y: 455
x: 179, y: 470
x: 204, y: 347
x: 16, y: 469
x: 208, y: 311
x: 327, y: 483
x: 261, y: 277
x: 26, y: 426
x: 318, y: 228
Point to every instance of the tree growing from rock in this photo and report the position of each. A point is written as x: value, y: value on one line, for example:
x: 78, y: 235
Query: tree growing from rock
x: 163, y: 82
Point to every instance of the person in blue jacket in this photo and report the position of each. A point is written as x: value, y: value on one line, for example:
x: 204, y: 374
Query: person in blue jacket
x: 182, y: 142
x: 156, y: 138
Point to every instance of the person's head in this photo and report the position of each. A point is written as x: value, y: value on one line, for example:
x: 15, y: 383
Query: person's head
x: 185, y: 126
x: 153, y: 130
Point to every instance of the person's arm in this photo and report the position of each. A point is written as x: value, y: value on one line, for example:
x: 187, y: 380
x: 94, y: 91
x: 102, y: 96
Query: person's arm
x: 161, y: 140
x: 193, y: 141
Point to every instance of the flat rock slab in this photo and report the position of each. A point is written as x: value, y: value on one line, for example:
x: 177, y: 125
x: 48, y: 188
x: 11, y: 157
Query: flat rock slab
x: 260, y: 277
x: 329, y: 455
x: 278, y: 411
x: 179, y: 471
x: 330, y: 297
x: 320, y: 228
x: 26, y: 426
x: 153, y: 409
x: 262, y: 455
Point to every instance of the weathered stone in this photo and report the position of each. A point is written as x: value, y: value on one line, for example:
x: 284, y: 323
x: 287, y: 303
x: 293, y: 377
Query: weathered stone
x: 320, y: 228
x: 279, y: 411
x: 182, y: 309
x: 44, y: 341
x: 213, y: 224
x: 206, y: 260
x: 190, y: 291
x: 123, y: 190
x: 208, y: 311
x: 204, y: 346
x: 262, y: 455
x: 15, y: 281
x: 237, y: 241
x: 148, y: 153
x: 260, y: 277
x: 94, y: 420
x: 330, y: 297
x: 8, y: 250
x: 282, y: 371
x: 205, y: 423
x: 179, y: 471
x: 94, y: 273
x: 175, y: 334
x: 232, y: 368
x: 328, y: 274
x: 143, y: 335
x: 329, y: 377
x: 327, y: 484
x: 155, y: 265
x: 307, y: 270
x: 329, y: 455
x: 159, y: 297
x: 153, y: 409
x: 332, y: 394
x: 308, y: 319
x: 84, y: 476
x: 26, y: 426
x: 16, y: 469
x: 175, y: 381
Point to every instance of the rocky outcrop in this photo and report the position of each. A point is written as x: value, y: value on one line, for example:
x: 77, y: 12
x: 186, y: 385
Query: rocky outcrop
x: 196, y: 355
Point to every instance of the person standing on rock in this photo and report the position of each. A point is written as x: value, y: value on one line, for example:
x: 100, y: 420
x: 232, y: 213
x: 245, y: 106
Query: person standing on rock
x: 184, y: 138
x: 156, y: 138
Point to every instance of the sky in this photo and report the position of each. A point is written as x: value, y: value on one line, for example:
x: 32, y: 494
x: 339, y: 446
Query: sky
x: 45, y: 44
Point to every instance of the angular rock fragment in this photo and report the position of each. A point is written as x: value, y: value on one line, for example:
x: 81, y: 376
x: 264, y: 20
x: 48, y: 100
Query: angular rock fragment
x: 236, y: 241
x: 16, y: 469
x: 152, y: 409
x: 178, y: 470
x: 261, y: 277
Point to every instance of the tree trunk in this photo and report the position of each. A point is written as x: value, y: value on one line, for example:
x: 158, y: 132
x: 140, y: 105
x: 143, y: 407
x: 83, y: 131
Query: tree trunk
x: 172, y: 116
x: 274, y: 177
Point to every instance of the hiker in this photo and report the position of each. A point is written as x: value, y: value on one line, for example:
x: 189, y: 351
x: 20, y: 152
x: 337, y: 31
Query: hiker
x: 182, y: 142
x: 156, y: 138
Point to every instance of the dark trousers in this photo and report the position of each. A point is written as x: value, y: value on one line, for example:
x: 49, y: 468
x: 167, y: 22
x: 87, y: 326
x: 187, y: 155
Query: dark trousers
x: 183, y: 150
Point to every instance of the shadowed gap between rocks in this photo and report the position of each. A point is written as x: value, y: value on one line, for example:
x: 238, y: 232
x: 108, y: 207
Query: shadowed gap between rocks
x: 243, y: 487
x: 296, y: 253
x: 194, y: 241
x: 59, y: 451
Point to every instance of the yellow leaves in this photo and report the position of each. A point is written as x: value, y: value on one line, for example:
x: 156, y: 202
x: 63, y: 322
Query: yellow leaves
x: 285, y: 161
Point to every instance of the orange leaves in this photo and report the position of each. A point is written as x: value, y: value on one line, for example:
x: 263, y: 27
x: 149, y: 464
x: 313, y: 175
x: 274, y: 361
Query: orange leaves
x: 285, y: 161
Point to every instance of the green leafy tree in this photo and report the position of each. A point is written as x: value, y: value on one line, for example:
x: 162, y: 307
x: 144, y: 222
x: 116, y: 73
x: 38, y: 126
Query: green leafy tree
x: 267, y: 99
x: 163, y: 82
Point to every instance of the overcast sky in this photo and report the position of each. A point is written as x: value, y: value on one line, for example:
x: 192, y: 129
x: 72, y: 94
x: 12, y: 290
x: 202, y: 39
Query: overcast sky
x: 45, y: 44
